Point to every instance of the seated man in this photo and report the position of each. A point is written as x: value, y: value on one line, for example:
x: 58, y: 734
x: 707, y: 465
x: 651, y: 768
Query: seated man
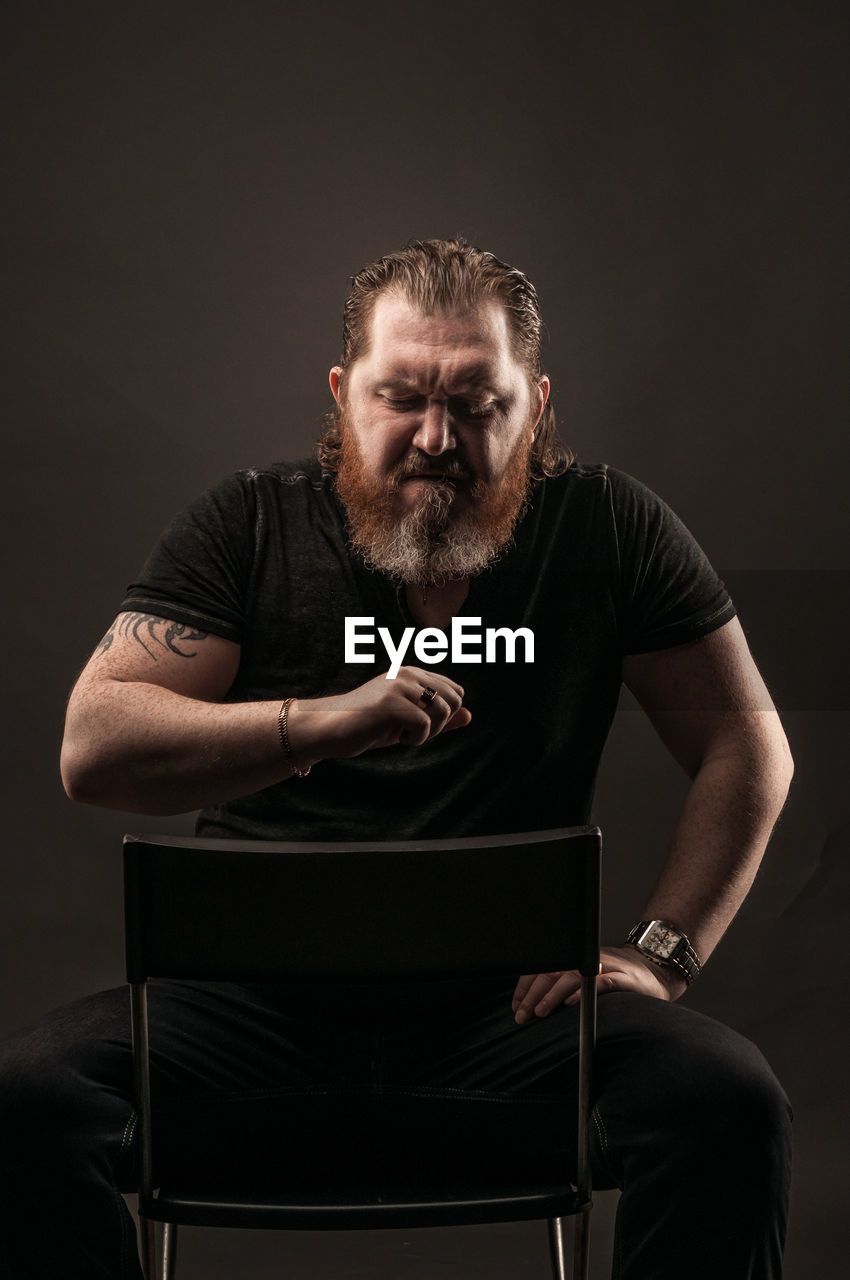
x: 443, y: 523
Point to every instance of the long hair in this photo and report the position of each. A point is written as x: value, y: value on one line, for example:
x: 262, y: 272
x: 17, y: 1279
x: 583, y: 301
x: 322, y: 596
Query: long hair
x: 450, y: 275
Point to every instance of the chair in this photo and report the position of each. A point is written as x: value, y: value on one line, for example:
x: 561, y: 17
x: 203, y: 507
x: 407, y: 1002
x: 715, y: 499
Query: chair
x: 237, y: 910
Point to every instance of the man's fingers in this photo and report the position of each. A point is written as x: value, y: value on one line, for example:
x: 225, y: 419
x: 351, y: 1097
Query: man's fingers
x: 416, y: 731
x: 451, y: 697
x: 604, y: 983
x: 417, y: 676
x: 543, y: 994
x: 440, y: 712
x: 537, y: 994
x: 558, y: 993
x: 537, y: 987
x: 521, y: 988
x: 439, y: 698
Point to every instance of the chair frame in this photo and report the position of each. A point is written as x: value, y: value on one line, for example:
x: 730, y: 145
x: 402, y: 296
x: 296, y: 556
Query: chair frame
x: 171, y: 881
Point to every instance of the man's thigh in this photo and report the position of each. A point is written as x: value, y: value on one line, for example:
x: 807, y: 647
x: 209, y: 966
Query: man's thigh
x: 661, y: 1070
x: 67, y: 1080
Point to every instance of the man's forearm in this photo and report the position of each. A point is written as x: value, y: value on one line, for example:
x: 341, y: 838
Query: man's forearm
x: 731, y: 808
x: 734, y: 800
x: 146, y: 749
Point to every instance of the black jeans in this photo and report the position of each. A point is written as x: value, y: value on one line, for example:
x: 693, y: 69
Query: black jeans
x: 689, y: 1120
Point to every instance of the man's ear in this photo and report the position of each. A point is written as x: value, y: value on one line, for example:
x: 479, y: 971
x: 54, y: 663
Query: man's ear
x: 335, y: 379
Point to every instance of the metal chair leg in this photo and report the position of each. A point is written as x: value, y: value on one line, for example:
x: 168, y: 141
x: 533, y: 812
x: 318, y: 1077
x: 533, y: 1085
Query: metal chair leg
x: 169, y: 1251
x: 147, y: 1231
x: 556, y: 1248
x: 581, y: 1246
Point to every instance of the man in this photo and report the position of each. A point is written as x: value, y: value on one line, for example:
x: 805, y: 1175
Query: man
x: 229, y: 683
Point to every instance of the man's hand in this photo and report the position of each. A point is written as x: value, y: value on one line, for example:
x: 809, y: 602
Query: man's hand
x: 380, y: 713
x: 622, y: 969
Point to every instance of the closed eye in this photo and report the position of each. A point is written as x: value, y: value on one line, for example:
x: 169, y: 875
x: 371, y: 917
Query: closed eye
x: 472, y: 409
x: 403, y: 406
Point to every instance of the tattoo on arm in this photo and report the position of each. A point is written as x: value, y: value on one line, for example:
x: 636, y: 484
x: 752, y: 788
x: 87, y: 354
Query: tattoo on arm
x: 150, y: 631
x: 105, y: 642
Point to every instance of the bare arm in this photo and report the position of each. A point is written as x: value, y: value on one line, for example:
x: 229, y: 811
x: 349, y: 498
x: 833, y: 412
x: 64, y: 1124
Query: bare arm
x: 147, y: 729
x: 710, y: 707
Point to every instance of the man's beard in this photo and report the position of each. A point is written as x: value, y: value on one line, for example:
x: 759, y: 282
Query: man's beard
x: 430, y: 544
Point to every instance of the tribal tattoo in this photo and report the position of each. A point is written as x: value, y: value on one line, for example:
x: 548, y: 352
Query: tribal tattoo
x: 156, y: 631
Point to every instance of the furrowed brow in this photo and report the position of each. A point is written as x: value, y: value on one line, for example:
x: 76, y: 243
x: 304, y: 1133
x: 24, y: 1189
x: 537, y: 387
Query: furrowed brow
x: 398, y: 382
x: 476, y: 378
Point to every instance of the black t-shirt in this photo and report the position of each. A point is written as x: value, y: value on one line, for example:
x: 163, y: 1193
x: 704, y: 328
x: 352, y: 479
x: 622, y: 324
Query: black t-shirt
x: 599, y: 568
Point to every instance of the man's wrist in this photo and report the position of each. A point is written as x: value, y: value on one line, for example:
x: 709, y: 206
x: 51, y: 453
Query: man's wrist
x: 665, y: 946
x: 670, y: 978
x: 301, y: 735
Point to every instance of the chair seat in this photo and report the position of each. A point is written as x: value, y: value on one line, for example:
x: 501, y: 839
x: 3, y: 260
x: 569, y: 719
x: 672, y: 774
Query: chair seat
x: 368, y: 1209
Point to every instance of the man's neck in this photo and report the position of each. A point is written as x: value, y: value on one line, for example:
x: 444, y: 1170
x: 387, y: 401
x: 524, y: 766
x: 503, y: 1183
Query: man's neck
x: 436, y: 606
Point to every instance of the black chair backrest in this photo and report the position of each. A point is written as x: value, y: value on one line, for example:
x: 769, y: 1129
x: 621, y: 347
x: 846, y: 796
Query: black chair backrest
x: 255, y: 910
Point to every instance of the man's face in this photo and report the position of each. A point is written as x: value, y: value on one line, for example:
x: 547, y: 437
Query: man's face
x: 437, y: 422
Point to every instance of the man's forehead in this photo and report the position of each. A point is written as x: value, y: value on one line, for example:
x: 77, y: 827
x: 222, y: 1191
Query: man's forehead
x: 397, y: 323
x: 405, y: 340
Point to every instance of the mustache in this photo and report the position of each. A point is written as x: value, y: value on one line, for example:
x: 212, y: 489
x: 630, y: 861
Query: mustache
x: 450, y: 470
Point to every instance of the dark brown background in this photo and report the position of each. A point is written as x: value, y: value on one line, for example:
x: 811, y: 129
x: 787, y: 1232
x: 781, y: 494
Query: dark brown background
x: 192, y: 184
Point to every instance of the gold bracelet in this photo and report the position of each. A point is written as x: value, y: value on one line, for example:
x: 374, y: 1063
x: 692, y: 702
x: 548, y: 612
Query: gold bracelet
x: 282, y: 717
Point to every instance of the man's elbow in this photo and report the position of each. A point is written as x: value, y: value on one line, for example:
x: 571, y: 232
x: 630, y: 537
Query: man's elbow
x: 80, y: 761
x: 88, y: 780
x: 785, y: 764
x: 82, y: 779
x: 771, y: 765
x: 755, y: 755
x: 89, y: 759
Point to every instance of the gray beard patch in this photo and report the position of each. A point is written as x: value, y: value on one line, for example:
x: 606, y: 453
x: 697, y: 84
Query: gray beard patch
x: 427, y: 547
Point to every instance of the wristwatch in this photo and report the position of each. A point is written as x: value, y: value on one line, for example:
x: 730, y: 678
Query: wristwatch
x: 662, y: 943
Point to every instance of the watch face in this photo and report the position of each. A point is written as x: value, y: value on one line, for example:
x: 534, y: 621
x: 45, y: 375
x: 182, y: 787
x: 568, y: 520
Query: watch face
x: 661, y: 940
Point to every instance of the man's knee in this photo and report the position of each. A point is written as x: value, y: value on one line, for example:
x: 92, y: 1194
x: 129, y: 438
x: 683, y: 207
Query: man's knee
x: 692, y: 1079
x: 740, y: 1112
x: 62, y: 1081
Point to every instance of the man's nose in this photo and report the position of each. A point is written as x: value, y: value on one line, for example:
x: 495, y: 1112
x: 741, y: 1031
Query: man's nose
x: 434, y: 434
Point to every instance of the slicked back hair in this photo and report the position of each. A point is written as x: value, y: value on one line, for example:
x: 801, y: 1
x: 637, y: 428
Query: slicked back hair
x: 450, y: 276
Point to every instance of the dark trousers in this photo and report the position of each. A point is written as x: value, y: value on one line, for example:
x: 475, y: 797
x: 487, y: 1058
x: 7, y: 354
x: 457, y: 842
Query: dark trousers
x: 689, y: 1120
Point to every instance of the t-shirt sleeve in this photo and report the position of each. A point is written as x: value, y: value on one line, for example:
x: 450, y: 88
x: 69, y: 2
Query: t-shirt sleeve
x: 669, y: 593
x: 198, y: 571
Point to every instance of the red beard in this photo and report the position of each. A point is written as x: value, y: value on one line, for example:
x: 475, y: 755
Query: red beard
x: 431, y: 543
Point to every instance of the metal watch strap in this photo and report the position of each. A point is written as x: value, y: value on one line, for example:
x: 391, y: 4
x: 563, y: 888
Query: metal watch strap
x: 683, y: 958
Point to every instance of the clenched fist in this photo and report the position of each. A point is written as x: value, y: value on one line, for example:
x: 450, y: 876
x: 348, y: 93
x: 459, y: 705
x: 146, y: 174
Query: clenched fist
x: 380, y: 713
